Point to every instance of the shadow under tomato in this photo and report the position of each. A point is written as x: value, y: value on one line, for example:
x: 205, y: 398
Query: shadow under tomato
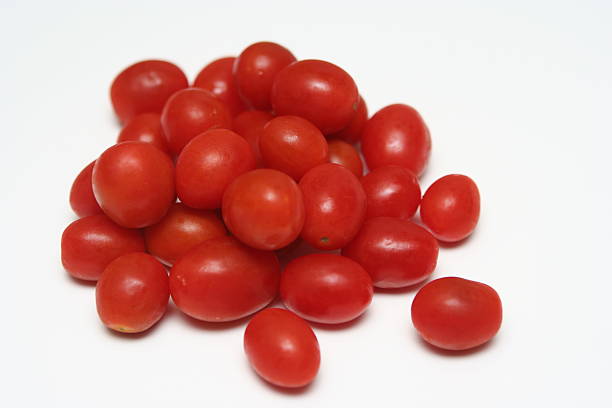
x: 213, y: 326
x: 403, y: 290
x: 453, y: 245
x: 80, y: 282
x: 454, y: 353
x: 339, y: 326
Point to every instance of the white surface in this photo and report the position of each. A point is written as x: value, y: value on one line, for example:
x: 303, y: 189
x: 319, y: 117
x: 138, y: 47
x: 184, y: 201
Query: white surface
x: 517, y: 96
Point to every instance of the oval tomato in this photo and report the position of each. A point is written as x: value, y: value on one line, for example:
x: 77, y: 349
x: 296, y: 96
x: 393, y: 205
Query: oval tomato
x: 250, y: 124
x: 352, y: 132
x: 218, y: 79
x: 392, y: 191
x: 82, y: 199
x: 145, y: 127
x: 344, y: 154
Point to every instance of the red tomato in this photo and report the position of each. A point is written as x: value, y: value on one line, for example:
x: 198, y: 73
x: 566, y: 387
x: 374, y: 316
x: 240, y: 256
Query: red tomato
x: 396, y: 135
x: 250, y: 124
x: 451, y: 207
x: 282, y: 348
x: 352, y: 132
x: 145, y: 127
x: 82, y: 198
x: 180, y: 230
x: 335, y: 206
x: 392, y: 191
x: 222, y: 280
x: 456, y: 314
x: 264, y: 209
x: 208, y: 164
x: 132, y: 293
x: 326, y: 288
x: 89, y: 244
x: 145, y: 87
x: 190, y: 112
x: 218, y: 78
x: 292, y: 145
x: 344, y: 154
x: 255, y: 70
x: 395, y: 252
x: 134, y: 184
x: 318, y: 91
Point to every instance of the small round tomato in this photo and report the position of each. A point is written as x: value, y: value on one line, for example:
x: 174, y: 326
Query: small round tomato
x: 134, y: 184
x: 318, y: 91
x: 282, y: 348
x: 250, y: 124
x: 335, y: 206
x: 255, y: 70
x: 396, y: 135
x: 392, y: 191
x: 451, y: 207
x: 218, y: 78
x: 222, y: 280
x: 190, y: 112
x: 456, y: 313
x: 326, y: 288
x: 145, y: 127
x: 132, y: 293
x: 145, y: 87
x: 352, y: 132
x: 264, y: 209
x: 208, y: 164
x: 89, y: 244
x: 292, y: 145
x: 82, y: 199
x: 395, y: 252
x: 180, y: 230
x: 344, y: 154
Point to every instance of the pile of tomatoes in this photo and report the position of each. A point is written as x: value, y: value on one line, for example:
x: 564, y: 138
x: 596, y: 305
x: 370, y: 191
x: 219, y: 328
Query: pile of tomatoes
x: 262, y: 152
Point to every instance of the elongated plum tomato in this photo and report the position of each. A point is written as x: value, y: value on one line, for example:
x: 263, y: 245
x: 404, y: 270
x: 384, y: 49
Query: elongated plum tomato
x: 180, y: 230
x: 132, y: 293
x: 250, y: 124
x: 352, y: 132
x: 82, y: 199
x: 222, y: 280
x: 396, y: 135
x: 282, y: 348
x: 134, y: 184
x: 451, y: 207
x: 264, y: 209
x: 456, y: 314
x: 89, y: 244
x: 208, y: 164
x: 218, y: 78
x: 335, y: 206
x: 326, y: 288
x: 342, y: 153
x: 392, y: 191
x: 145, y: 127
x: 145, y: 87
x: 395, y: 252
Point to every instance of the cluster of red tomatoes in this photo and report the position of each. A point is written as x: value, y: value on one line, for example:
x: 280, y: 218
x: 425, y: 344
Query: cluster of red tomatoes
x: 261, y: 152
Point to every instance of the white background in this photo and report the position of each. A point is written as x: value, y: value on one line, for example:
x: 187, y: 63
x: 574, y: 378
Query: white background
x: 517, y: 95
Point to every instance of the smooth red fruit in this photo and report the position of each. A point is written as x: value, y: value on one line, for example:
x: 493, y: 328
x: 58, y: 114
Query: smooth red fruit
x: 191, y: 112
x: 89, y: 244
x: 182, y: 229
x: 395, y: 252
x: 208, y: 164
x: 255, y: 70
x: 264, y: 209
x: 218, y: 78
x: 292, y: 145
x: 318, y: 91
x: 335, y: 206
x: 344, y: 154
x: 392, y: 191
x: 250, y: 124
x: 396, y: 135
x: 145, y: 87
x: 145, y: 127
x: 222, y: 280
x: 451, y: 207
x: 132, y: 293
x: 82, y: 199
x: 352, y: 132
x: 134, y: 184
x: 456, y: 313
x: 326, y: 288
x: 282, y: 348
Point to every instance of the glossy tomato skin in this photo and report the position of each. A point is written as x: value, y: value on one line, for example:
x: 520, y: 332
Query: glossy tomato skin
x: 132, y: 293
x: 250, y: 124
x: 392, y: 191
x: 395, y: 252
x: 255, y: 70
x: 352, y: 132
x: 292, y: 145
x: 218, y: 78
x: 317, y: 91
x: 134, y: 184
x: 82, y: 199
x: 89, y: 244
x: 145, y: 127
x: 264, y: 209
x: 456, y: 314
x: 181, y: 229
x: 451, y: 207
x: 145, y: 87
x: 335, y: 206
x: 189, y: 113
x: 282, y: 348
x: 396, y: 135
x: 208, y: 164
x: 326, y: 288
x: 222, y: 280
x: 344, y: 154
